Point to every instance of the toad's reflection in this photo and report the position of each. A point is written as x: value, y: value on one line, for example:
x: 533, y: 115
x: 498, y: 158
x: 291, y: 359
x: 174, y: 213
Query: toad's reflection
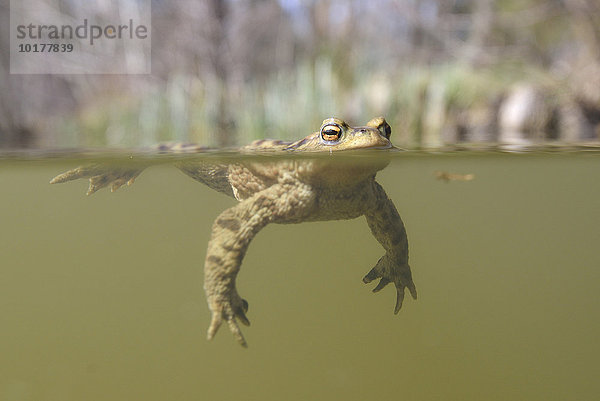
x: 286, y: 190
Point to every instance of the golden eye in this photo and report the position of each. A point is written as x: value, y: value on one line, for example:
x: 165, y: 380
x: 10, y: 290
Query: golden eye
x: 331, y: 132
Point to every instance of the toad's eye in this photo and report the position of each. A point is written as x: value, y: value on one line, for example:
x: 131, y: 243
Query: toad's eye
x: 331, y: 132
x: 387, y: 130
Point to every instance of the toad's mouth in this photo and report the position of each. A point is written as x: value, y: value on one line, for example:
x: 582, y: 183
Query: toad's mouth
x: 381, y: 147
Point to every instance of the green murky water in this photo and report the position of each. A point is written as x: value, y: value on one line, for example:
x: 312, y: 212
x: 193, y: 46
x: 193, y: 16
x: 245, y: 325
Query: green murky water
x: 101, y: 297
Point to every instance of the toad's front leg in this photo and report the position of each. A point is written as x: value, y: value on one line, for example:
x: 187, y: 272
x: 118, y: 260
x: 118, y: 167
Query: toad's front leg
x: 387, y: 226
x: 231, y: 234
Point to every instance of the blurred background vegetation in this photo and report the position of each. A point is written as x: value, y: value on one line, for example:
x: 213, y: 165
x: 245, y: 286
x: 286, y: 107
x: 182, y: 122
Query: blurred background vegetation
x: 225, y: 72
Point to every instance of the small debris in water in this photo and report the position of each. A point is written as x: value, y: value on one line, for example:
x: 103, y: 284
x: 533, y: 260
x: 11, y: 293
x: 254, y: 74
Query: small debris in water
x: 447, y: 177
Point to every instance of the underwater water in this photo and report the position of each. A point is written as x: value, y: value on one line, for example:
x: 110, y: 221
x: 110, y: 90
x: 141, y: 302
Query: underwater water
x: 101, y: 297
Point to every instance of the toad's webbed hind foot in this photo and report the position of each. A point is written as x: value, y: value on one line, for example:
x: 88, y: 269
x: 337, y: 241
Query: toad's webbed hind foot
x: 101, y: 176
x: 390, y: 271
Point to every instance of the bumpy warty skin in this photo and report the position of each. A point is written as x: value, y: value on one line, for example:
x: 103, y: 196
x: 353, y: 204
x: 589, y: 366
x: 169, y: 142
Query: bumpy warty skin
x: 285, y: 190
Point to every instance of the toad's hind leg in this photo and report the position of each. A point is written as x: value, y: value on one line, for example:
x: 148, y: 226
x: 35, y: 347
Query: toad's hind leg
x: 102, y: 175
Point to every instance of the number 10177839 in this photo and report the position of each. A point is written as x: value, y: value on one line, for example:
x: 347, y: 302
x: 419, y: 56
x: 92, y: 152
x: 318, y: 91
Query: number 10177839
x: 45, y: 47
